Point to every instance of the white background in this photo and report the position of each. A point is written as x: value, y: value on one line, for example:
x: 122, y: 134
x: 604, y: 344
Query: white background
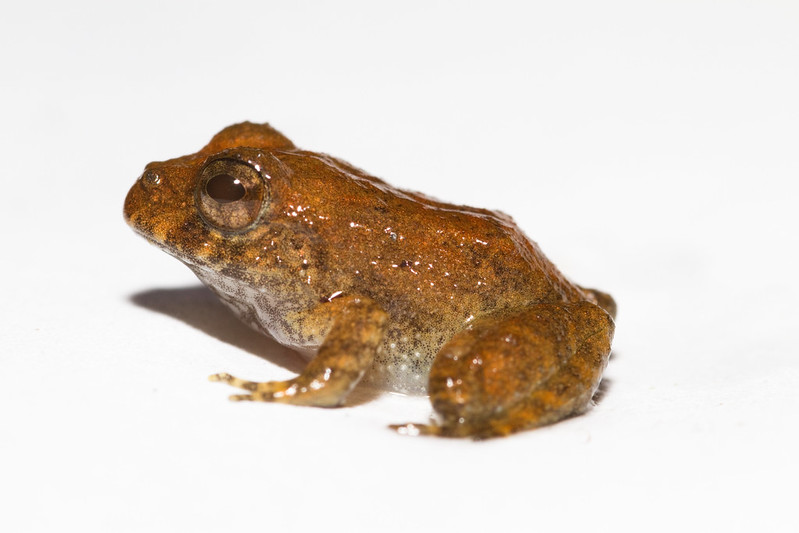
x: 650, y: 148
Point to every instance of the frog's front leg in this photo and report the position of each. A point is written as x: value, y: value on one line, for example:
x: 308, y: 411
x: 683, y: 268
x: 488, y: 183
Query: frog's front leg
x: 358, y: 326
x: 516, y: 371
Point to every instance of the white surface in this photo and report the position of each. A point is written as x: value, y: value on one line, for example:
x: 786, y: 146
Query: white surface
x: 649, y: 147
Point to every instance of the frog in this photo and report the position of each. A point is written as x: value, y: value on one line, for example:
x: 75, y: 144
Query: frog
x: 377, y: 285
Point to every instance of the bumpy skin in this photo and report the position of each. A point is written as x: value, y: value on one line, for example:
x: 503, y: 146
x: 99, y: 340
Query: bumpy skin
x: 412, y: 294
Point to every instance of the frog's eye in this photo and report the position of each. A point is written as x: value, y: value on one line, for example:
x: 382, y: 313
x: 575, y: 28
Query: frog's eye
x: 225, y: 188
x: 230, y: 194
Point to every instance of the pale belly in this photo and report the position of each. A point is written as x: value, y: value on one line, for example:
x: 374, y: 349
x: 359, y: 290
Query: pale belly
x: 402, y: 362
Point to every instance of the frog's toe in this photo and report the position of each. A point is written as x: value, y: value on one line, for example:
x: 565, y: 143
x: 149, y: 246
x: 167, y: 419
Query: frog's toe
x: 267, y: 391
x: 233, y: 381
x: 241, y: 398
x: 263, y: 396
x: 414, y: 430
x: 457, y: 430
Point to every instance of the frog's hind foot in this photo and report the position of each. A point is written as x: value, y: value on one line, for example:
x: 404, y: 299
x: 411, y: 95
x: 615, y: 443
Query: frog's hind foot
x: 518, y: 371
x: 414, y: 430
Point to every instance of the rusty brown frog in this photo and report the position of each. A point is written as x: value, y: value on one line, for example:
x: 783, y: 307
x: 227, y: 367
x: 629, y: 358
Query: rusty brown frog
x: 376, y: 283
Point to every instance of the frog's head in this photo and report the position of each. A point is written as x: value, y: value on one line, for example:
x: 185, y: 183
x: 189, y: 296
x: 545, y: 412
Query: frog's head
x: 251, y: 208
x: 214, y: 209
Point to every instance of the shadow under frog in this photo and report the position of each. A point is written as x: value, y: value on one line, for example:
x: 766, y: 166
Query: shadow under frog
x: 376, y: 284
x: 199, y: 308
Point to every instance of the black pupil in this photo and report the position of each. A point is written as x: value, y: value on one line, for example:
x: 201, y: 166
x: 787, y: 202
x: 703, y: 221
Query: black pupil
x: 224, y: 188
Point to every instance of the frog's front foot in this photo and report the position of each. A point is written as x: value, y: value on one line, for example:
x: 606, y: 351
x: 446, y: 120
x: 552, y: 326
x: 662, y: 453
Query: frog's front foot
x: 517, y: 371
x: 234, y: 381
x: 306, y: 389
x: 340, y: 363
x: 270, y: 391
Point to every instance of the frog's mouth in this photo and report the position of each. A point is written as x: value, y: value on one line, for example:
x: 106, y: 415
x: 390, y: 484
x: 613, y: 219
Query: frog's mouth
x: 159, y: 222
x: 188, y: 259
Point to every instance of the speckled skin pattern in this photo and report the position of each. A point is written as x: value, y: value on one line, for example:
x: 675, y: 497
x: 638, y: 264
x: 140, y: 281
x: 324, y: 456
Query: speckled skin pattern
x: 372, y: 282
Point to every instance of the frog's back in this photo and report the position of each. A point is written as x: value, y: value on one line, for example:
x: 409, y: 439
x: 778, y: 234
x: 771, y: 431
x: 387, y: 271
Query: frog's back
x: 421, y: 253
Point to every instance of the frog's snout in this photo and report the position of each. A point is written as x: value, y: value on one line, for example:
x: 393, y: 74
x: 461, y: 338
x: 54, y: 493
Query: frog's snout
x: 133, y: 201
x: 144, y: 194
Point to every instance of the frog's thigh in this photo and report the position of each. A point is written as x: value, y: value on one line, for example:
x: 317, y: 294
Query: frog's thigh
x: 519, y: 371
x: 347, y: 351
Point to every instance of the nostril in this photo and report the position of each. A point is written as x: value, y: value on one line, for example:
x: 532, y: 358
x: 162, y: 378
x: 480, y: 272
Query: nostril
x: 150, y: 178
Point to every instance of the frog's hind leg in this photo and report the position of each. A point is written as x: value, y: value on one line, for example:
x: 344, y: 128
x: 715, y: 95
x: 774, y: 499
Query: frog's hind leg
x: 346, y: 353
x: 518, y: 371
